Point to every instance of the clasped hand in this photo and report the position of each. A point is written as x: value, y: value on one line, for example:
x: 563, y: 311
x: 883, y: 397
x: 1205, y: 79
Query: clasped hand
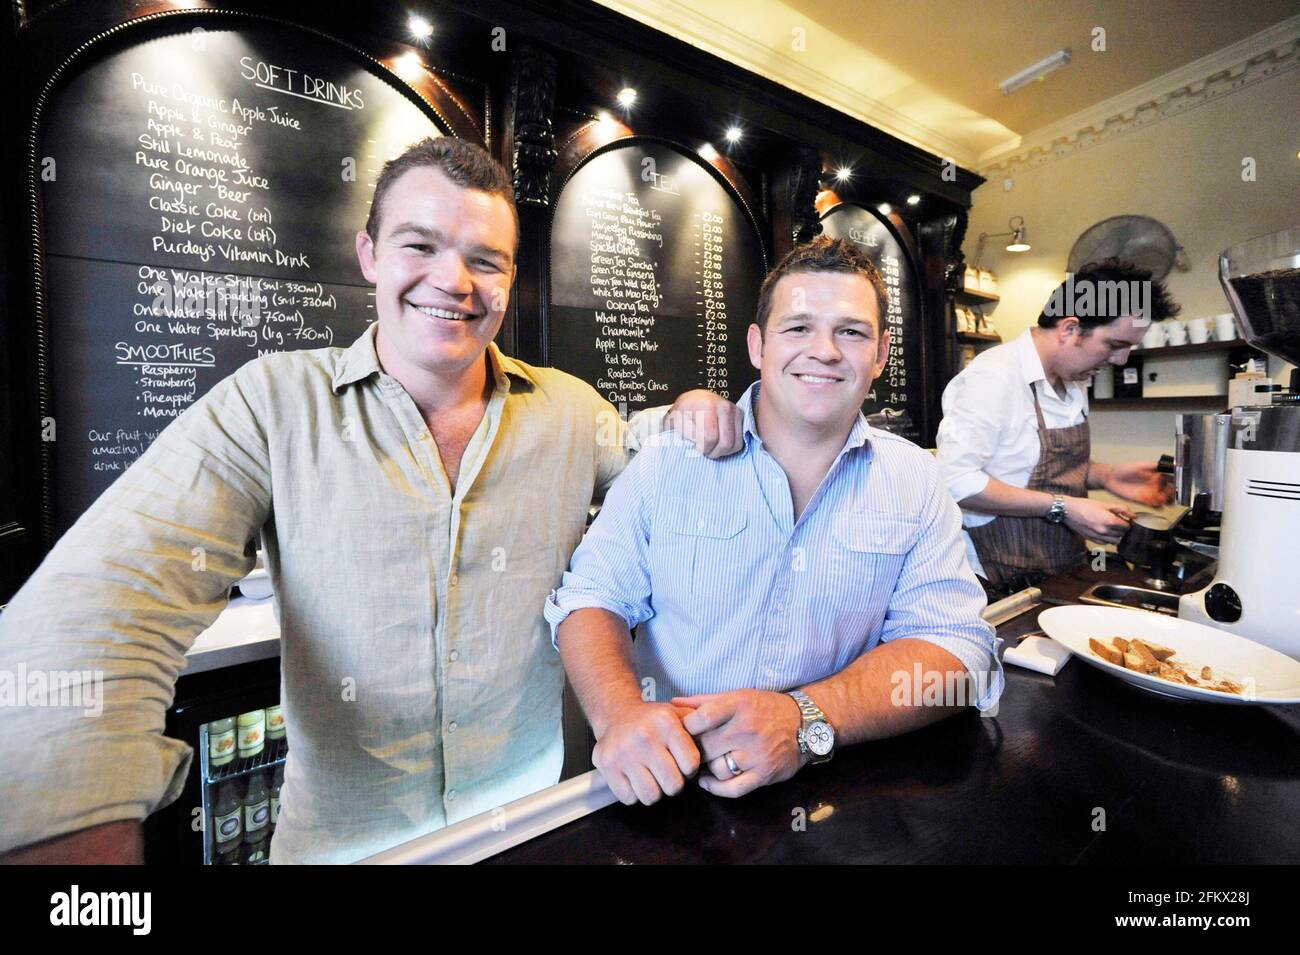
x: 649, y: 750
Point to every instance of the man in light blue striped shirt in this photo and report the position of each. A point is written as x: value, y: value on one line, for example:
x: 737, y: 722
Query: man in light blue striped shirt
x: 824, y: 559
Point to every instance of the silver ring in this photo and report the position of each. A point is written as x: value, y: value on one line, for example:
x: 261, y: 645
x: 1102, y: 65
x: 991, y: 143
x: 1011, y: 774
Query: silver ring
x: 731, y: 765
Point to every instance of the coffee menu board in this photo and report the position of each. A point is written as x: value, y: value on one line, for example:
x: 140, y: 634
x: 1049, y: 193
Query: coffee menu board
x: 655, y: 269
x: 896, y: 398
x: 202, y: 193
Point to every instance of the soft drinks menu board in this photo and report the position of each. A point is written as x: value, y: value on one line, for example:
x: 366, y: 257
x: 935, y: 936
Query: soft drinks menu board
x: 898, y: 390
x: 202, y: 192
x: 655, y: 269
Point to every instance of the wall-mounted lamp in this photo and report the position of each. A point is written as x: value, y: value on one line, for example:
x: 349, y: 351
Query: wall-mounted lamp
x: 1019, y: 241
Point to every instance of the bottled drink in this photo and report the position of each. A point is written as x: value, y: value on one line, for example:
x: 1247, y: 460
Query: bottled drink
x: 274, y: 723
x: 257, y: 852
x: 252, y: 733
x: 257, y: 809
x: 221, y: 741
x: 276, y: 782
x: 227, y: 823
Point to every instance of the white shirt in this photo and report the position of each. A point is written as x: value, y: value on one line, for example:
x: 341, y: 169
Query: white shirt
x: 989, y: 428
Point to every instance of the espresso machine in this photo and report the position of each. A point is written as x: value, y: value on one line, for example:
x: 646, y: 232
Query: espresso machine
x: 1241, y: 468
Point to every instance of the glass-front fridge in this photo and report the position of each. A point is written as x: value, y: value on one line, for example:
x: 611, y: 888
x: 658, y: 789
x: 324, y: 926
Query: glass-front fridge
x: 227, y: 813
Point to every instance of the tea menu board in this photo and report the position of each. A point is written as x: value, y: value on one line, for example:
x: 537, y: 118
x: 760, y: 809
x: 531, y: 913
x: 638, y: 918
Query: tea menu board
x: 655, y: 269
x: 202, y: 192
x: 897, y: 393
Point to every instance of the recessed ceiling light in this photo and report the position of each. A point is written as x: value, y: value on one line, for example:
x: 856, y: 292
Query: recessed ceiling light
x: 420, y: 28
x: 734, y: 134
x: 626, y: 97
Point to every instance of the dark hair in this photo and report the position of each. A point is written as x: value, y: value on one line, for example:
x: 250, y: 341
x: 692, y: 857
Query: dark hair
x: 1105, y: 290
x: 823, y: 254
x: 467, y: 165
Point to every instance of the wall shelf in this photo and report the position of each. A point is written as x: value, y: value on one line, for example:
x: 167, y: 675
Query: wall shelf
x: 1169, y: 351
x: 975, y: 295
x: 1155, y: 403
x: 976, y: 338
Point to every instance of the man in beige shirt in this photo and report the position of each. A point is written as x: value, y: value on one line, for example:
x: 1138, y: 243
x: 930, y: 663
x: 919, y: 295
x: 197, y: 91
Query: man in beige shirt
x: 418, y: 495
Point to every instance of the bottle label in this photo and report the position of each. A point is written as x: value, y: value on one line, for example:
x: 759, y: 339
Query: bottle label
x: 228, y: 826
x: 222, y: 744
x: 275, y: 810
x: 250, y: 737
x: 256, y: 816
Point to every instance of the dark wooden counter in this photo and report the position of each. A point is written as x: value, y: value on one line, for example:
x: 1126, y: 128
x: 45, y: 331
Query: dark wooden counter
x: 1178, y: 783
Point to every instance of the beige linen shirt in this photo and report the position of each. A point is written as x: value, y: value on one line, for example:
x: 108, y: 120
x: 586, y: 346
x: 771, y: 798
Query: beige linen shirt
x: 419, y: 683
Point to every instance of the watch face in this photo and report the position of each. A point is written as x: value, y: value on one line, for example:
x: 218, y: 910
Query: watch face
x: 820, y: 738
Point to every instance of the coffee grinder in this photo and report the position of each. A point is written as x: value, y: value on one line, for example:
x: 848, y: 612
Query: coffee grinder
x: 1255, y: 591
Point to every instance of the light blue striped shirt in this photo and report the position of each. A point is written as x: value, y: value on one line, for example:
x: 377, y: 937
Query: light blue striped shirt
x: 734, y: 593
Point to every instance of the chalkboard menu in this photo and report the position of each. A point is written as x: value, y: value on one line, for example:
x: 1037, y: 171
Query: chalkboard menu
x: 895, y: 401
x: 202, y: 193
x: 655, y: 269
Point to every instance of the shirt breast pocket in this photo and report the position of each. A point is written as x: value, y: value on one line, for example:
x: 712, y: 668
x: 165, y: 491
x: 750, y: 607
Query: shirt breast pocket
x: 702, y: 538
x: 869, y: 553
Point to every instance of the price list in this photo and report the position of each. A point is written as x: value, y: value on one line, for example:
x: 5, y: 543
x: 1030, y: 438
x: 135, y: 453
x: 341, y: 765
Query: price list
x: 655, y: 271
x: 896, y: 400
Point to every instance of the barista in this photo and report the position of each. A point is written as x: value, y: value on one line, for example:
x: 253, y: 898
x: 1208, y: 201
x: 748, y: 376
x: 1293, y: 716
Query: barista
x: 1014, y: 444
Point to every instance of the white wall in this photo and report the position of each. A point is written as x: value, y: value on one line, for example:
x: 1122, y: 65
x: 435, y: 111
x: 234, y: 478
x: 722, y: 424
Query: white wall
x: 1186, y: 171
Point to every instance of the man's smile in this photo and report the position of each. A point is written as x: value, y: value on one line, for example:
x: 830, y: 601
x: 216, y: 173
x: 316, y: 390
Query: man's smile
x: 451, y: 315
x: 811, y: 379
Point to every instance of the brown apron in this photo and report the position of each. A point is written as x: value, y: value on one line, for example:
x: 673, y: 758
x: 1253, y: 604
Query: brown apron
x: 1014, y: 548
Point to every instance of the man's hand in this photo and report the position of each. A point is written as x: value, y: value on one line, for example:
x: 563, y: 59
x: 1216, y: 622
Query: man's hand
x: 1097, y: 520
x: 758, y: 728
x: 111, y: 843
x: 1139, y: 481
x: 712, y: 423
x: 645, y: 754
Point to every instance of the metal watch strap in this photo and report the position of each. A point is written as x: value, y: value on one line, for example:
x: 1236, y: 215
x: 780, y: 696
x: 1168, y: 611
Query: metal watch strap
x: 810, y: 710
x: 811, y: 713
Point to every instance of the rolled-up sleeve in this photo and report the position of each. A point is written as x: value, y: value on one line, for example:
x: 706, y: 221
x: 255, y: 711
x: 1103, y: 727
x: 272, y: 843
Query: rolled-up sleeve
x: 938, y: 599
x: 610, y: 570
x: 974, y: 408
x: 112, y: 611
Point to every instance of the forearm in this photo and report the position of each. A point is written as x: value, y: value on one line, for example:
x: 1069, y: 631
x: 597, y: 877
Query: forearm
x: 1001, y: 498
x: 113, y: 843
x: 597, y: 652
x: 1098, y: 475
x: 873, y: 697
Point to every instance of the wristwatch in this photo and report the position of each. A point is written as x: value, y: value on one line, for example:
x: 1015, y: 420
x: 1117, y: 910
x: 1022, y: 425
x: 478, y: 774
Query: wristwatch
x: 1056, y: 513
x: 816, y: 736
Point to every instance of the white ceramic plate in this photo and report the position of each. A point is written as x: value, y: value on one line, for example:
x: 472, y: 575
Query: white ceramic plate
x: 1269, y: 675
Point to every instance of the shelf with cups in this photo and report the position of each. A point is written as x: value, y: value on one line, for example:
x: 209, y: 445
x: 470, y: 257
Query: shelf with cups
x: 1191, y: 348
x: 1156, y: 402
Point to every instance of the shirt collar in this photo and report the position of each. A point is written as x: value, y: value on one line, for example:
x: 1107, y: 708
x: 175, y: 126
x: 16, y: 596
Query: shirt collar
x: 859, y: 434
x: 1031, y: 364
x: 360, y: 361
x: 1031, y: 368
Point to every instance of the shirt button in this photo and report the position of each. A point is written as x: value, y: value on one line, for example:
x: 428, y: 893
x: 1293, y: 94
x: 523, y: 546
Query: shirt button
x: 455, y: 580
x: 422, y: 436
x: 780, y: 608
x: 453, y: 656
x: 451, y: 794
x: 452, y: 726
x: 700, y: 526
